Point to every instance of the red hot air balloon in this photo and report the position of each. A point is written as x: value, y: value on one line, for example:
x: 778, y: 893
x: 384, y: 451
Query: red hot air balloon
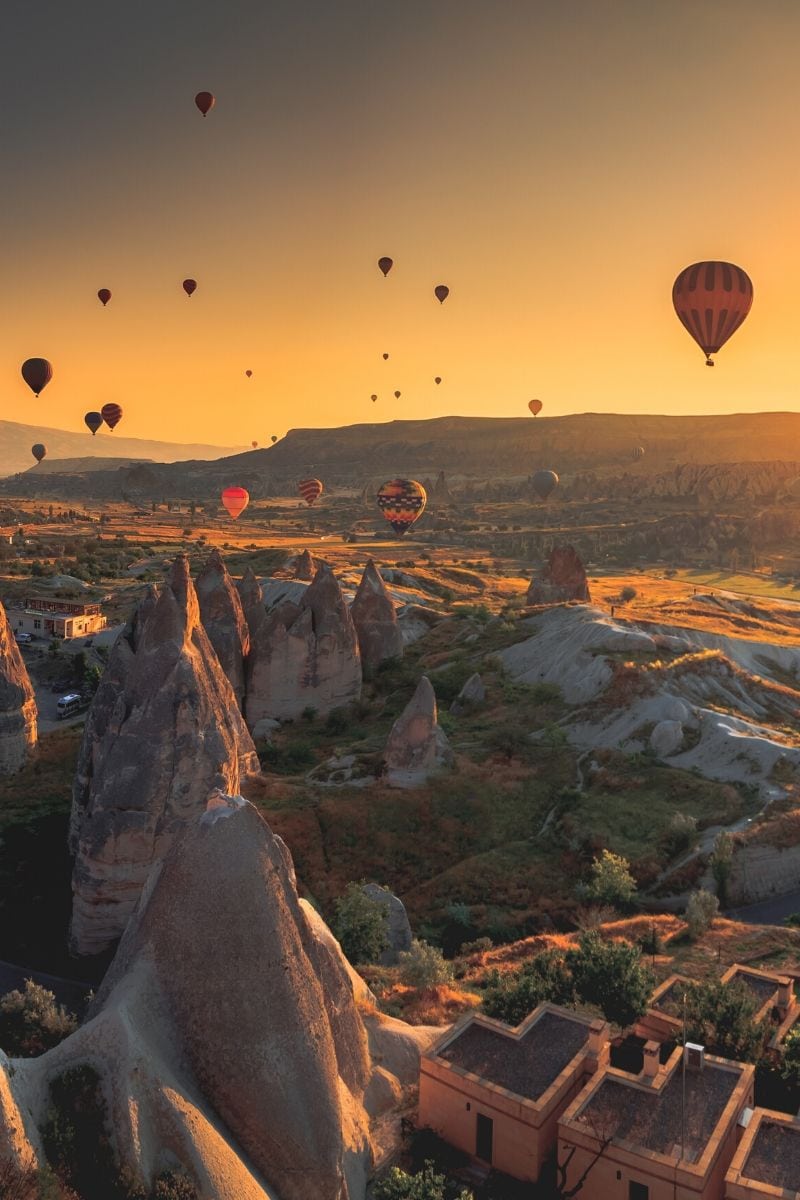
x: 544, y: 482
x: 189, y: 286
x: 385, y: 265
x: 39, y: 451
x: 373, y: 397
x: 254, y: 445
x: 441, y: 292
x: 111, y: 414
x: 249, y: 374
x: 104, y: 295
x: 385, y: 356
x: 37, y: 373
x: 310, y: 490
x: 535, y: 406
x: 93, y: 420
x: 402, y: 502
x: 438, y: 379
x: 711, y: 300
x: 205, y: 101
x: 235, y: 500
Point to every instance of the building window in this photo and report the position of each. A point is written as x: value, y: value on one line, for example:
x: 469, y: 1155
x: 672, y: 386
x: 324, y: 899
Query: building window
x: 37, y: 624
x: 638, y: 1191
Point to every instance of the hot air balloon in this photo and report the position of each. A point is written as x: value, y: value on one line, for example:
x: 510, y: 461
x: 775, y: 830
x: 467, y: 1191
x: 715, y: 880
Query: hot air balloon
x: 638, y: 452
x: 249, y: 374
x: 235, y: 500
x: 111, y: 414
x: 711, y: 300
x: 544, y: 482
x: 189, y: 286
x: 385, y: 356
x: 310, y: 490
x: 104, y: 295
x: 37, y: 373
x: 438, y: 379
x: 385, y: 265
x: 254, y: 444
x: 94, y: 420
x: 535, y: 406
x: 397, y: 395
x: 205, y: 101
x: 39, y: 451
x: 373, y: 397
x: 441, y: 292
x: 402, y: 502
x: 273, y: 439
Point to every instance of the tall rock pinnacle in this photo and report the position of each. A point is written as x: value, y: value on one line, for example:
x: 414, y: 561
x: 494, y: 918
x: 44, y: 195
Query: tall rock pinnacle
x: 375, y: 619
x: 17, y: 703
x: 224, y: 621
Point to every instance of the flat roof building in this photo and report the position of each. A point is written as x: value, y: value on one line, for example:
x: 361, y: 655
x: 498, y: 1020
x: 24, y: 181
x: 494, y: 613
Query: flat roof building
x: 767, y: 1163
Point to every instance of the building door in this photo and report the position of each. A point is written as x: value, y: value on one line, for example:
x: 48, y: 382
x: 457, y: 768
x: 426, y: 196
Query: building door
x: 638, y: 1191
x: 484, y: 1134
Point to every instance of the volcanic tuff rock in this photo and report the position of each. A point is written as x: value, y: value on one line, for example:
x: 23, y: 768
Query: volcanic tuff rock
x: 305, y: 566
x: 375, y: 619
x: 163, y: 730
x: 417, y: 745
x: 472, y: 695
x: 252, y: 1064
x: 398, y: 929
x: 564, y: 578
x: 17, y: 703
x: 223, y: 620
x: 302, y: 655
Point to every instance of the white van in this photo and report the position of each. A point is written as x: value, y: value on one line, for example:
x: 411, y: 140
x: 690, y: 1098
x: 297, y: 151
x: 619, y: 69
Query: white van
x: 69, y: 704
x: 23, y: 639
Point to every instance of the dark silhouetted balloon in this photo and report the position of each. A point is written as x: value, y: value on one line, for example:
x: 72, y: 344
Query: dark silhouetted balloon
x: 535, y: 406
x: 441, y: 292
x: 37, y: 373
x: 189, y: 286
x: 254, y: 444
x: 274, y: 439
x: 638, y: 452
x: 711, y: 300
x: 111, y: 414
x: 205, y: 101
x: 249, y: 374
x: 385, y: 356
x: 402, y: 502
x: 438, y: 379
x: 235, y: 500
x: 373, y: 397
x: 385, y: 265
x: 544, y: 482
x: 39, y: 451
x: 104, y: 295
x: 397, y: 395
x: 310, y: 490
x: 93, y: 420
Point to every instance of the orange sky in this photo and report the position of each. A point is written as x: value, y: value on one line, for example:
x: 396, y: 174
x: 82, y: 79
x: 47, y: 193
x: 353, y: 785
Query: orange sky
x: 555, y: 163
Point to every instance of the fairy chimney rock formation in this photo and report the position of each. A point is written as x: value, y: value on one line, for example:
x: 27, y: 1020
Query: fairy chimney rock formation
x: 564, y: 578
x: 223, y: 620
x: 163, y: 731
x: 17, y: 703
x: 417, y: 745
x: 305, y: 566
x: 375, y: 619
x: 302, y: 655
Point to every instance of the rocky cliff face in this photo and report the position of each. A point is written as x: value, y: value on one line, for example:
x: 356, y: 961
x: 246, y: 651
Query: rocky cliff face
x: 17, y: 703
x: 564, y: 578
x: 301, y: 655
x: 224, y: 621
x: 375, y: 619
x: 417, y: 745
x: 163, y: 730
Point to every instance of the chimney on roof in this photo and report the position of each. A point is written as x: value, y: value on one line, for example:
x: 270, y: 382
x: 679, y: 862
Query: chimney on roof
x: 785, y: 994
x: 652, y: 1060
x: 597, y: 1046
x: 694, y: 1056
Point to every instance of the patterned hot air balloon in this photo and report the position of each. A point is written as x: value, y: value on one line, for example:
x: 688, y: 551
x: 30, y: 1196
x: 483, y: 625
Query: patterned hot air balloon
x: 111, y: 414
x: 402, y: 502
x: 93, y: 420
x: 438, y: 379
x: 189, y: 286
x: 544, y: 482
x: 441, y: 292
x: 39, y: 451
x: 310, y: 490
x: 535, y: 406
x: 638, y: 452
x: 37, y: 373
x: 235, y: 500
x: 104, y: 295
x: 711, y: 300
x: 385, y: 265
x: 205, y: 101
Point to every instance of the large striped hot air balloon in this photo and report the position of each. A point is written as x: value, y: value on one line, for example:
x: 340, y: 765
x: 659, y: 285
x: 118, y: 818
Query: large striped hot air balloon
x: 111, y: 414
x: 37, y: 373
x: 544, y: 482
x: 93, y: 421
x: 310, y: 490
x: 711, y: 300
x: 235, y: 500
x: 402, y: 502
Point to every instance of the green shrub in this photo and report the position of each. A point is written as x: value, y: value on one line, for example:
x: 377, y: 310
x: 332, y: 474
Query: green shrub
x: 426, y: 1185
x: 701, y: 910
x: 31, y: 1021
x: 172, y: 1186
x: 610, y: 880
x: 424, y: 966
x: 511, y: 998
x: 360, y: 925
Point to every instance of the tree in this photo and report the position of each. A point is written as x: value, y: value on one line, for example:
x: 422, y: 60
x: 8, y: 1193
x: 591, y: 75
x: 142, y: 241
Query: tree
x: 425, y: 1185
x: 721, y: 863
x: 627, y: 594
x: 360, y: 925
x: 424, y: 966
x: 701, y: 910
x: 611, y: 976
x: 545, y: 977
x: 722, y: 1017
x: 31, y: 1021
x: 790, y: 1060
x: 610, y: 880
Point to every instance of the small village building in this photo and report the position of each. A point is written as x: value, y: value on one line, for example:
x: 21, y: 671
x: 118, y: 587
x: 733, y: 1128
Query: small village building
x: 766, y: 1165
x: 669, y: 1132
x: 56, y: 618
x: 496, y: 1092
x: 774, y: 994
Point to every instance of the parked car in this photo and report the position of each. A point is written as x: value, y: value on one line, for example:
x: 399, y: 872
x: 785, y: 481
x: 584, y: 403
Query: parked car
x: 23, y: 639
x: 69, y: 704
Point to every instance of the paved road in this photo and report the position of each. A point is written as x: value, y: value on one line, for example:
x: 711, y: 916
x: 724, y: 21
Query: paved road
x: 767, y: 912
x: 46, y: 699
x: 69, y: 992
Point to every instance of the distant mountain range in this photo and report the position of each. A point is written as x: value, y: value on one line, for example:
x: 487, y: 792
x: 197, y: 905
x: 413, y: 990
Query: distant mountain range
x: 475, y: 448
x: 16, y: 441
